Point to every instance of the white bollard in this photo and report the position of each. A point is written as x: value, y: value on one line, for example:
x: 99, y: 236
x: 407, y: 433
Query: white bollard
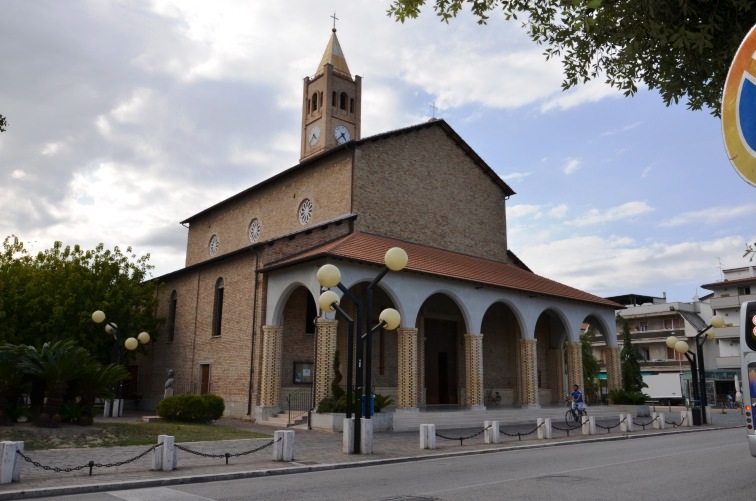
x: 656, y: 420
x: 491, y: 435
x: 164, y: 458
x: 589, y: 425
x: 7, y: 461
x: 19, y: 460
x: 623, y: 423
x: 685, y: 419
x: 347, y: 445
x: 662, y: 421
x: 427, y: 436
x: 366, y: 436
x: 283, y: 446
x: 629, y: 422
x: 544, y: 428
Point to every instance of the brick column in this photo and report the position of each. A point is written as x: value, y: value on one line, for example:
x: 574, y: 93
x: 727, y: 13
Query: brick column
x: 407, y: 392
x: 613, y: 368
x: 574, y: 365
x: 529, y: 372
x: 270, y: 384
x: 325, y: 348
x: 421, y: 360
x: 556, y: 374
x: 474, y: 370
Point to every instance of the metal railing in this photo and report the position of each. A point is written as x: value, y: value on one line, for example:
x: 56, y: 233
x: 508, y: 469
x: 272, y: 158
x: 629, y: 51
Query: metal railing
x: 298, y: 403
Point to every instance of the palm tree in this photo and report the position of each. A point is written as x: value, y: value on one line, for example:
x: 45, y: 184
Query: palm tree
x: 58, y: 364
x: 97, y: 381
x: 11, y: 380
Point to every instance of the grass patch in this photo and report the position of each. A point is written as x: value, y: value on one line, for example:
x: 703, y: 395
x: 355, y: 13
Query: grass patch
x: 119, y: 434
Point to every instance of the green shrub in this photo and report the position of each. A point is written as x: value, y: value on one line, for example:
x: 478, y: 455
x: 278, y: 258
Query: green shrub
x: 191, y: 408
x: 382, y: 401
x: 70, y: 412
x: 622, y: 397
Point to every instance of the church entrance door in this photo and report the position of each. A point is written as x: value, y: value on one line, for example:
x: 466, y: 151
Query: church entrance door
x: 440, y: 362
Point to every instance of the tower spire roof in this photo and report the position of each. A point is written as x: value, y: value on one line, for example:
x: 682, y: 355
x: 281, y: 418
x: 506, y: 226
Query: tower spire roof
x: 334, y: 56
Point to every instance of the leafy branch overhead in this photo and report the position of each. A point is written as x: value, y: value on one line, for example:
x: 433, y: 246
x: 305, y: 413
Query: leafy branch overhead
x: 682, y: 48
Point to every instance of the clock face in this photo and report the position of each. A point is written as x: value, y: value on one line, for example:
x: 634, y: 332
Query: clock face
x: 213, y: 247
x: 342, y: 134
x: 314, y: 135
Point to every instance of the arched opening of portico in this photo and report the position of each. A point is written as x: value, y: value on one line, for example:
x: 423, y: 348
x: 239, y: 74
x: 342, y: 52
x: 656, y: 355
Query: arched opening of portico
x: 551, y: 336
x: 442, y: 327
x: 501, y: 335
x: 297, y: 361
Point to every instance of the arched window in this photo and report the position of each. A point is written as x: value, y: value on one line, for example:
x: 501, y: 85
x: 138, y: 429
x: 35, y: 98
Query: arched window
x: 218, y: 307
x: 172, y: 316
x: 315, y: 102
x: 351, y: 105
x: 343, y: 101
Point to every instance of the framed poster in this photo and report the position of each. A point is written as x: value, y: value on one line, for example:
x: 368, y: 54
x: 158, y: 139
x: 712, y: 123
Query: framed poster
x: 303, y: 372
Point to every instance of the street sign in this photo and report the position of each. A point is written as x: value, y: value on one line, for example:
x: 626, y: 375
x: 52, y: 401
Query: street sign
x: 739, y: 109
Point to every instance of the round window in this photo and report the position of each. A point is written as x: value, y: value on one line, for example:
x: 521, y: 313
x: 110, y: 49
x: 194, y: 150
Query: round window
x: 305, y: 211
x: 254, y: 230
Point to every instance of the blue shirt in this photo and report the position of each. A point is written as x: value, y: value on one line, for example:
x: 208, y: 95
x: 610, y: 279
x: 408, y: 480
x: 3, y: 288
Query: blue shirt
x: 577, y: 396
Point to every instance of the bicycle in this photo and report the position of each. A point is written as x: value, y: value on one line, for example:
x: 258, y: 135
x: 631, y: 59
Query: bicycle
x: 573, y: 417
x: 492, y: 398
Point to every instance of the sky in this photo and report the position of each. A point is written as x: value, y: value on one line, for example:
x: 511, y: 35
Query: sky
x: 127, y: 117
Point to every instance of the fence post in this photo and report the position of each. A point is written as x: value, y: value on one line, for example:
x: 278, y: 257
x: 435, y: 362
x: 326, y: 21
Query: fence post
x: 7, y: 461
x: 164, y: 458
x: 544, y: 428
x: 491, y: 434
x: 427, y: 436
x: 589, y: 425
x: 283, y: 448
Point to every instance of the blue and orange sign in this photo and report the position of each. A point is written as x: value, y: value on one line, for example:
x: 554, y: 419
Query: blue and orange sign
x: 739, y: 109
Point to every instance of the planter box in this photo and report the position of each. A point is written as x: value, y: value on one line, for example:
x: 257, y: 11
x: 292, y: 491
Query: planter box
x: 636, y: 410
x: 382, y: 421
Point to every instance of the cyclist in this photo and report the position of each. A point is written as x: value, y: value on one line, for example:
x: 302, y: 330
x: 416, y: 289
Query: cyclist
x: 577, y: 400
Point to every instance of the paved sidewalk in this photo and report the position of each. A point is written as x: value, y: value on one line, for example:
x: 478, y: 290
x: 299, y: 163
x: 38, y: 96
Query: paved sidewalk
x: 314, y: 450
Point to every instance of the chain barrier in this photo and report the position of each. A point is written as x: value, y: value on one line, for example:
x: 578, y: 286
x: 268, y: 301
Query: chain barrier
x: 609, y: 428
x: 568, y: 429
x: 89, y: 465
x: 519, y: 435
x: 226, y: 454
x: 674, y: 424
x: 463, y: 438
x: 647, y: 424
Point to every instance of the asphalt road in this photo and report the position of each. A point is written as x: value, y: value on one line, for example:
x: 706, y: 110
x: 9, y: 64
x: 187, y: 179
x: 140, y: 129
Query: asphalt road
x: 709, y: 465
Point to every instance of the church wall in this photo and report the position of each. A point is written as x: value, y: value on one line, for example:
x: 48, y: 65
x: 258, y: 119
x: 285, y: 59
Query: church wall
x: 421, y: 187
x: 228, y: 355
x: 327, y: 184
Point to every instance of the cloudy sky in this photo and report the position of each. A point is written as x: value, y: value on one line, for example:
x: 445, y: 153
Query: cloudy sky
x: 126, y: 117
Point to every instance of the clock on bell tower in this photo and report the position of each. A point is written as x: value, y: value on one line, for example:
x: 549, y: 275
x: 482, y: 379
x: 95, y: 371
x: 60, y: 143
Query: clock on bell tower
x: 331, y: 103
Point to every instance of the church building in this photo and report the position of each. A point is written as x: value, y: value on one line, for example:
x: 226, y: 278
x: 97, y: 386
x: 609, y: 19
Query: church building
x: 242, y: 319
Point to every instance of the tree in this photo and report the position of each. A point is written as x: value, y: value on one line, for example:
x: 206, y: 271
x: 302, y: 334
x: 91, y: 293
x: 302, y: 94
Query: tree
x: 51, y: 296
x: 3, y: 123
x: 683, y: 48
x: 632, y: 380
x: 591, y: 366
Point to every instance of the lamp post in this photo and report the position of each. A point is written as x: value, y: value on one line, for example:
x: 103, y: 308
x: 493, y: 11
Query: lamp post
x: 130, y: 344
x: 359, y: 344
x: 696, y: 360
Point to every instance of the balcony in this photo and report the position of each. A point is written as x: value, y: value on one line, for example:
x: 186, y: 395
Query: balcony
x: 728, y: 362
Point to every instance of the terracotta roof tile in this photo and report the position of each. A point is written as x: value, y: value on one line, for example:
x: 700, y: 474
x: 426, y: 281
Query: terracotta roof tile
x: 368, y: 248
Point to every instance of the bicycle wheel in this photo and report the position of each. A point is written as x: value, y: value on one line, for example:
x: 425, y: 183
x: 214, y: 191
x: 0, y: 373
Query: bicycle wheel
x: 570, y: 418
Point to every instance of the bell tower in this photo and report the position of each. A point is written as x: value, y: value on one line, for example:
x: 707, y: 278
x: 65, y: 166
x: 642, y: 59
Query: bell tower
x: 331, y: 103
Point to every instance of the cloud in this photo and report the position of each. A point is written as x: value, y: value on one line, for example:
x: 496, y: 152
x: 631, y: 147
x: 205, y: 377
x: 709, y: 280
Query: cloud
x: 571, y: 166
x: 600, y: 216
x: 710, y: 216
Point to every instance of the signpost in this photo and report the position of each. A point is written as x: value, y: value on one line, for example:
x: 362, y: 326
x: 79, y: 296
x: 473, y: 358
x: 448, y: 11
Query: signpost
x: 739, y: 109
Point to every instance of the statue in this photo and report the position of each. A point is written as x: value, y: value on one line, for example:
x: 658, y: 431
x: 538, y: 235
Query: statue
x: 169, y: 383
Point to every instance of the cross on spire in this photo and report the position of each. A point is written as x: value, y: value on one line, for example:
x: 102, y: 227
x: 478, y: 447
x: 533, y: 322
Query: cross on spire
x: 334, y: 21
x: 433, y: 108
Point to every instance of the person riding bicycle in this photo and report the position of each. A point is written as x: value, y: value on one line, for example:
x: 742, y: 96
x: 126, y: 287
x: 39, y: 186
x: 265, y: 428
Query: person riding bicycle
x: 577, y: 399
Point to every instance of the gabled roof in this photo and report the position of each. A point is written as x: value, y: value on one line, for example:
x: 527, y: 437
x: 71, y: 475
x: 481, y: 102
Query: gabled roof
x: 349, y: 146
x: 334, y: 56
x: 370, y: 249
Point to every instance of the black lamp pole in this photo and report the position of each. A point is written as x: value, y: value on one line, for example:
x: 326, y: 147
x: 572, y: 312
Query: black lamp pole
x: 702, y: 370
